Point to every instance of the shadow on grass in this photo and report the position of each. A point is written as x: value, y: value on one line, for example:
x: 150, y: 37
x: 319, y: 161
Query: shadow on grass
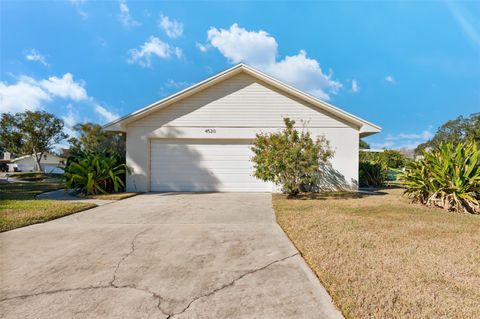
x: 361, y: 193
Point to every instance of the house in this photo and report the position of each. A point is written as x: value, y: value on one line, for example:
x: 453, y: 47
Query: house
x: 199, y: 139
x: 49, y: 163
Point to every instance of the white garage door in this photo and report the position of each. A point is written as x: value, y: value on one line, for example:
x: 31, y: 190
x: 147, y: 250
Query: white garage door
x: 202, y: 166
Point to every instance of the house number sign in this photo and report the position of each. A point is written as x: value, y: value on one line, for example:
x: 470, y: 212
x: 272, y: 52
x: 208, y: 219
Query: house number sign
x: 210, y: 131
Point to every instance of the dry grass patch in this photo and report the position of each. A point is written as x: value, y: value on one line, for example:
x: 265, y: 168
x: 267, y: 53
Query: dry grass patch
x: 19, y: 213
x: 381, y: 257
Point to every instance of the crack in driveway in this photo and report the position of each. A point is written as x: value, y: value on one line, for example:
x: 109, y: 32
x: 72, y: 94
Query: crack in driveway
x: 132, y: 250
x: 110, y: 285
x: 231, y: 283
x: 160, y: 299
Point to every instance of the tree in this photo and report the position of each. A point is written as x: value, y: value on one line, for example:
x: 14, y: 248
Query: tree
x: 388, y: 158
x: 289, y: 158
x: 30, y: 133
x: 363, y: 145
x: 461, y: 129
x: 92, y: 138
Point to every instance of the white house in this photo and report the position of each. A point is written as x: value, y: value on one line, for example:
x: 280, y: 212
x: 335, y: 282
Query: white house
x: 49, y: 163
x: 199, y: 139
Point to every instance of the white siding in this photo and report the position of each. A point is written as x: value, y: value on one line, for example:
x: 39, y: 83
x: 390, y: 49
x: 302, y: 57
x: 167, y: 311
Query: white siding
x: 241, y: 101
x: 236, y: 108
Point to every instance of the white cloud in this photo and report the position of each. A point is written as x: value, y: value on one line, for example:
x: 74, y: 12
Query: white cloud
x: 34, y: 55
x: 153, y: 47
x: 78, y: 5
x: 260, y: 50
x: 390, y: 79
x: 21, y: 96
x: 172, y: 28
x: 70, y: 119
x: 239, y: 45
x: 405, y: 140
x: 355, y: 86
x: 202, y: 47
x: 107, y: 115
x: 125, y: 17
x: 176, y: 84
x: 65, y: 87
x: 32, y: 94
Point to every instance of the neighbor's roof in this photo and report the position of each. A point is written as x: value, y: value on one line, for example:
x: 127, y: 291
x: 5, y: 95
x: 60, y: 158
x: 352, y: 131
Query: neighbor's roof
x: 365, y: 128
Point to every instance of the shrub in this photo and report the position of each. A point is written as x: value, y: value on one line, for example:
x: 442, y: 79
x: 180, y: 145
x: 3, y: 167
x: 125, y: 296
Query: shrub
x: 372, y: 174
x: 389, y: 158
x: 290, y: 159
x: 448, y: 177
x: 95, y: 173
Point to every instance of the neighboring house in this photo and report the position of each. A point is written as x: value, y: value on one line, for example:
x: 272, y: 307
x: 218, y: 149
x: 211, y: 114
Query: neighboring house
x: 4, y: 161
x: 49, y: 163
x: 199, y: 139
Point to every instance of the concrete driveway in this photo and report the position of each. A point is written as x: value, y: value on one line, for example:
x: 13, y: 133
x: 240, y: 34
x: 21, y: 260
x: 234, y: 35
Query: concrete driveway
x: 218, y: 255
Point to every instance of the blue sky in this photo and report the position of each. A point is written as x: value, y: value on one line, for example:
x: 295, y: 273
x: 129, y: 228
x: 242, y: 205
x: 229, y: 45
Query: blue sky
x: 406, y: 66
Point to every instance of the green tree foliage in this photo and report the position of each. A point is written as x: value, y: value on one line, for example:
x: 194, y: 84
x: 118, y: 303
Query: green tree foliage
x: 461, y: 129
x: 30, y: 133
x: 92, y: 138
x: 290, y: 159
x: 389, y: 158
x: 363, y: 145
x: 95, y: 173
x: 447, y: 177
x: 375, y: 168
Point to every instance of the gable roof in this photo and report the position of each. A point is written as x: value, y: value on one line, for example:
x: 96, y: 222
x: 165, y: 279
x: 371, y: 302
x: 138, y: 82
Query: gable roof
x: 365, y: 128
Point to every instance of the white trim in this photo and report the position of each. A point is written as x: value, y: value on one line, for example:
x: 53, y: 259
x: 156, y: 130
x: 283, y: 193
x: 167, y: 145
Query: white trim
x: 365, y: 127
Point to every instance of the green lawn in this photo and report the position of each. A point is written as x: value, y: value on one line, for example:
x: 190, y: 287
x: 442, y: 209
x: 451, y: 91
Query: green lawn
x: 381, y: 257
x: 18, y: 206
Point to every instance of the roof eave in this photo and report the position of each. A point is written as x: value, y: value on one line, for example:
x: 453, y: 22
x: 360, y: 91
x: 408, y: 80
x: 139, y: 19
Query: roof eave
x: 365, y: 128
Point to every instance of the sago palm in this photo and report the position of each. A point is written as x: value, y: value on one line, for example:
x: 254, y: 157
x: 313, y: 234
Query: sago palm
x: 94, y: 173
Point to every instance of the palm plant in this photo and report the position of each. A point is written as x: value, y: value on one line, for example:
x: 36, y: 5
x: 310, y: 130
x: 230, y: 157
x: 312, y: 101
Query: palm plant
x: 372, y: 174
x: 94, y: 173
x: 448, y: 177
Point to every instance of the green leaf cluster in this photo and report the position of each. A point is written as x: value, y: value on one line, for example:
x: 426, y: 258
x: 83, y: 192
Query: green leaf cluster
x: 447, y: 177
x: 92, y: 137
x: 95, y: 173
x: 290, y: 159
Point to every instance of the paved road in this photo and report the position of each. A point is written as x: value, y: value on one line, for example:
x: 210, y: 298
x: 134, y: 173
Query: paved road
x: 160, y: 256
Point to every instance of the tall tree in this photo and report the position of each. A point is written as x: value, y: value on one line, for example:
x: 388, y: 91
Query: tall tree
x: 461, y: 129
x: 30, y: 133
x: 92, y: 138
x: 363, y: 145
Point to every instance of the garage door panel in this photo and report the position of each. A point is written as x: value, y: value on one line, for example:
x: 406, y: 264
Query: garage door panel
x: 236, y: 165
x: 199, y: 165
